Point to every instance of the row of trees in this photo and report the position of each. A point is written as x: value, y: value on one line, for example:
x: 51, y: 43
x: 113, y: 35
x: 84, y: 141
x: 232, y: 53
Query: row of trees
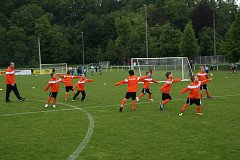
x: 114, y: 30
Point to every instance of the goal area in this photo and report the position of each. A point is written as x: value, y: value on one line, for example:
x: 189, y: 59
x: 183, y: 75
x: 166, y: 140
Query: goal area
x: 59, y: 68
x: 178, y: 66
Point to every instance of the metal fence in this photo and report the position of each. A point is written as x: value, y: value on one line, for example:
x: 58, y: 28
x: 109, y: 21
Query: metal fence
x: 219, y: 59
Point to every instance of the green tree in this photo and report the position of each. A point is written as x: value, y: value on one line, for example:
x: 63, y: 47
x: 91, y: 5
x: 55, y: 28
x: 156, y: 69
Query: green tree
x: 165, y: 41
x: 188, y: 45
x: 231, y: 47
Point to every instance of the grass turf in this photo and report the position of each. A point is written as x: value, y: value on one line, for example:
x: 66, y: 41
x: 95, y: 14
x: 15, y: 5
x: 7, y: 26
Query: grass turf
x: 146, y: 133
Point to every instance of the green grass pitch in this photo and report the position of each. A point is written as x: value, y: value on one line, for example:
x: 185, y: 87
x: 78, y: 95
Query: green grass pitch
x: 29, y: 131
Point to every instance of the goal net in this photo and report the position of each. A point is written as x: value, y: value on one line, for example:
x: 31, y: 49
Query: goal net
x: 178, y: 66
x: 59, y: 68
x: 104, y: 64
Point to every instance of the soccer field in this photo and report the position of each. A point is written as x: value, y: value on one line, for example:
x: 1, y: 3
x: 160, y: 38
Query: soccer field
x: 95, y: 129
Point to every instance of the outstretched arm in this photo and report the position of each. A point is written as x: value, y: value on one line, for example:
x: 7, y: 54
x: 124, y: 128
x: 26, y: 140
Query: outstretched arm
x: 177, y: 80
x: 155, y: 81
x: 120, y: 83
x: 74, y: 77
x: 46, y: 88
x: 142, y: 78
x: 62, y: 76
x: 75, y: 86
x: 184, y: 90
x: 89, y: 80
x: 206, y: 81
x: 164, y: 86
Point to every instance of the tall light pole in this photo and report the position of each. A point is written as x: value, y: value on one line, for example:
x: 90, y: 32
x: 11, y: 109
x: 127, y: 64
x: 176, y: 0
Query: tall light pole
x: 82, y: 49
x: 214, y: 39
x: 39, y: 54
x: 145, y: 7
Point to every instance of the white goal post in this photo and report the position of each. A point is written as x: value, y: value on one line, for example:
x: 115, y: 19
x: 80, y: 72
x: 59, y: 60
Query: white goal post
x: 179, y: 66
x: 59, y: 68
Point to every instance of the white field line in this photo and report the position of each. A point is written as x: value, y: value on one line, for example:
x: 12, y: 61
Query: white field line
x: 88, y: 135
x: 24, y: 113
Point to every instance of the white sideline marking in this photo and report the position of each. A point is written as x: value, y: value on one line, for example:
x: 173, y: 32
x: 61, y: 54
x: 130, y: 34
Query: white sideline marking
x: 23, y: 113
x: 88, y: 135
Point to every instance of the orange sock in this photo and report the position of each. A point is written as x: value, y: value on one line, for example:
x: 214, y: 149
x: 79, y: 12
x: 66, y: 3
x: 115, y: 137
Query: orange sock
x: 66, y: 95
x: 199, y: 109
x: 201, y: 95
x: 184, y: 107
x: 142, y: 94
x: 54, y: 101
x: 166, y: 101
x: 133, y: 104
x: 48, y: 100
x: 124, y: 101
x: 208, y: 94
x: 150, y: 96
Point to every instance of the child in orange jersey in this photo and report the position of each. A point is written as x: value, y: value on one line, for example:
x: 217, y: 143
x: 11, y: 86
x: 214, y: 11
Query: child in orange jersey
x: 68, y: 82
x: 195, y: 95
x: 54, y: 85
x: 146, y: 87
x: 166, y: 88
x: 81, y: 84
x: 203, y: 76
x: 132, y: 82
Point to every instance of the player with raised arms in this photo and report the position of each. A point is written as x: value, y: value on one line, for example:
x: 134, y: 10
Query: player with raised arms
x: 68, y: 83
x: 53, y: 84
x: 166, y: 89
x: 146, y: 87
x: 132, y: 82
x: 194, y: 95
x: 81, y: 84
x: 203, y: 76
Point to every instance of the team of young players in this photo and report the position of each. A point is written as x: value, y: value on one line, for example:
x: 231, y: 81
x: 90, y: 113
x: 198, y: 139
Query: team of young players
x: 195, y: 87
x: 197, y: 84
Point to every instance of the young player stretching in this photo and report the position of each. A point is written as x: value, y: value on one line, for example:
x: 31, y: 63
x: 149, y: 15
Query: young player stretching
x: 132, y: 82
x: 195, y: 95
x: 203, y: 76
x: 146, y: 87
x: 166, y: 88
x: 68, y: 82
x: 54, y: 85
x: 81, y: 85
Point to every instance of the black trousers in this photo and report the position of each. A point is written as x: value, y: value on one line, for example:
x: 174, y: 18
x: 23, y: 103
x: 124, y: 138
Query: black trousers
x: 83, y: 95
x: 11, y: 88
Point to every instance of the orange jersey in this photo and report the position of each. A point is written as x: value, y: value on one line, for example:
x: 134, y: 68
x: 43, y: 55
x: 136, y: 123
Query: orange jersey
x: 166, y: 88
x: 53, y: 84
x: 68, y: 79
x: 147, y: 81
x: 202, y: 76
x: 10, y: 76
x: 132, y: 82
x: 81, y: 83
x: 194, y: 88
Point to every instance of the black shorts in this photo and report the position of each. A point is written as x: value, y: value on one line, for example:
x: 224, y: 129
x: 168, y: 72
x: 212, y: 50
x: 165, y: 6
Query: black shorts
x: 53, y: 94
x: 203, y: 87
x: 131, y: 95
x: 166, y: 96
x: 144, y: 91
x: 194, y: 101
x: 68, y: 88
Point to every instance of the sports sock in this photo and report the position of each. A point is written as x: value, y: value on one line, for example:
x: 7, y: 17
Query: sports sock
x: 201, y: 95
x: 48, y: 100
x: 54, y: 101
x: 142, y: 94
x: 208, y: 94
x: 150, y: 96
x: 184, y: 107
x: 66, y: 95
x: 133, y: 104
x: 123, y: 101
x: 199, y: 109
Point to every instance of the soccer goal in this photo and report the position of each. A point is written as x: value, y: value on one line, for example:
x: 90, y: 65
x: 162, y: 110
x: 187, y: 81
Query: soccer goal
x: 179, y: 66
x: 59, y: 68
